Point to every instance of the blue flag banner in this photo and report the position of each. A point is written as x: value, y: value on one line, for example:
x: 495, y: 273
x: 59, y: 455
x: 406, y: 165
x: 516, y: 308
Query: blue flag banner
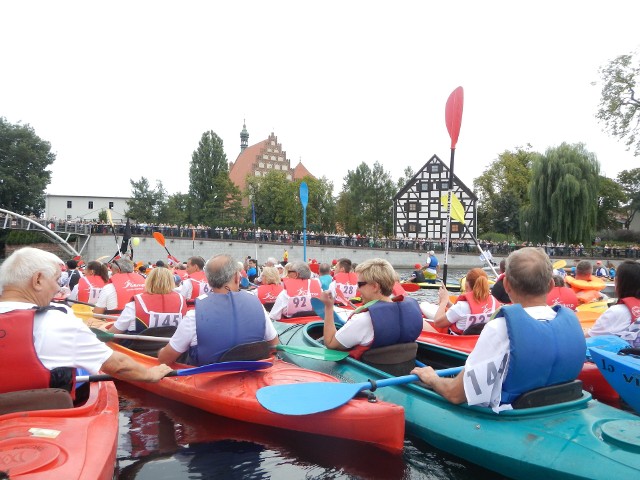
x: 253, y: 213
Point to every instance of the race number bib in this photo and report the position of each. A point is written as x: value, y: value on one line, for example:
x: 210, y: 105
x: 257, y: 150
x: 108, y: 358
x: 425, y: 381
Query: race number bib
x: 161, y: 319
x: 483, y: 381
x: 298, y: 304
x: 94, y: 293
x: 348, y: 290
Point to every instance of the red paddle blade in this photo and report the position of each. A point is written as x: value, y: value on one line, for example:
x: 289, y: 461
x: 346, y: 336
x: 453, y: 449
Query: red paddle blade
x: 410, y: 287
x: 453, y: 114
x: 159, y: 238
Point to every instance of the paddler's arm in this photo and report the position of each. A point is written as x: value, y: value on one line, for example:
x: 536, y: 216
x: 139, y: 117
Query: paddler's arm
x: 168, y: 355
x: 450, y: 388
x: 330, y: 330
x: 440, y: 319
x: 121, y: 366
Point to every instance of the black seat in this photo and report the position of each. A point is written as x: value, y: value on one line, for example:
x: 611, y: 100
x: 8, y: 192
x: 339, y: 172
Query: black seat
x: 398, y: 359
x: 247, y: 351
x: 36, y: 399
x: 149, y: 348
x: 540, y: 397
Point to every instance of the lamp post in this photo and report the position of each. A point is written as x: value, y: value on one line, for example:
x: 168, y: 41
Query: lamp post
x: 526, y: 227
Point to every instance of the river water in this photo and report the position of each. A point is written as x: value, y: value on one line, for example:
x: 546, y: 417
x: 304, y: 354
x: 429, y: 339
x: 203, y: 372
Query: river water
x: 161, y: 439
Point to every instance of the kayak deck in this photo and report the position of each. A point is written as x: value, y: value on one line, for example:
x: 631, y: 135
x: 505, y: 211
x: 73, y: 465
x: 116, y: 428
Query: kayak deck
x: 233, y: 395
x: 72, y: 443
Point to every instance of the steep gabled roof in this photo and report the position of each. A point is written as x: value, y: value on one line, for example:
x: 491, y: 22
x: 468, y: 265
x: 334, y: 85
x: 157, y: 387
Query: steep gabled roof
x: 301, y: 171
x: 245, y: 162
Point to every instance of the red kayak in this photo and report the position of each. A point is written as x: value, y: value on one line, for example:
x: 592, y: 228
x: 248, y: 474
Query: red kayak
x: 66, y: 443
x: 233, y: 395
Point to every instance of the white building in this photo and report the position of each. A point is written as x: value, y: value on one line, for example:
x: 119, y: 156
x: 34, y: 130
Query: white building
x: 79, y: 208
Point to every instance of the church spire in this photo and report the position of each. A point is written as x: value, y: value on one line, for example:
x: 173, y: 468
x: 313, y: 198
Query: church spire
x: 244, y: 137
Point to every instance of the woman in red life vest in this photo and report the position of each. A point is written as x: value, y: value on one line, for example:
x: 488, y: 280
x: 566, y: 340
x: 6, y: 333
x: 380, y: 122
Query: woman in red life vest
x: 270, y: 287
x: 560, y: 294
x: 158, y: 306
x: 475, y: 306
x: 89, y: 287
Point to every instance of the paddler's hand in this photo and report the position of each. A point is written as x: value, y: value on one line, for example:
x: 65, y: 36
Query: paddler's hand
x: 157, y: 373
x: 443, y: 295
x: 326, y: 298
x: 427, y: 375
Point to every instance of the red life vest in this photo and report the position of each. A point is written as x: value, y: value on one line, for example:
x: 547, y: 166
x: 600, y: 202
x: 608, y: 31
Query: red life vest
x: 199, y: 284
x: 182, y: 274
x: 89, y: 288
x: 347, y: 283
x: 160, y: 310
x: 480, y: 311
x: 300, y: 293
x: 398, y: 290
x: 633, y: 304
x: 24, y: 370
x: 127, y: 285
x: 562, y: 296
x: 268, y: 293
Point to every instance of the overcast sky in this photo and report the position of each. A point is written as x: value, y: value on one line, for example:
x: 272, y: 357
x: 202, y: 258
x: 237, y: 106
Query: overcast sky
x: 126, y: 89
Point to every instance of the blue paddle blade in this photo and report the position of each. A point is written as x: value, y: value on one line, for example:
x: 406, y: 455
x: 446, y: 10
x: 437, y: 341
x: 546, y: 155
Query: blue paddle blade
x: 238, y: 366
x: 304, y: 194
x: 609, y: 343
x: 318, y: 309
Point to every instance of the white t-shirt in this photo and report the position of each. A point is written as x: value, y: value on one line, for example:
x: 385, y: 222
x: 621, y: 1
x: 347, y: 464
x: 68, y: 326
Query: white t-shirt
x: 108, y: 298
x: 63, y: 340
x: 616, y: 320
x: 185, y: 335
x: 281, y: 305
x: 185, y: 289
x: 460, y: 311
x: 357, y: 331
x: 488, y: 363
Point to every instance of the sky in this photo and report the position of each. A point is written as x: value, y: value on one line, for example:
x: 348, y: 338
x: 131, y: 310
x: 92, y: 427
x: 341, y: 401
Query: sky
x: 123, y: 90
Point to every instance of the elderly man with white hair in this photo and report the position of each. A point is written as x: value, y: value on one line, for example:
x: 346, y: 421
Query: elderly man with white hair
x: 41, y: 343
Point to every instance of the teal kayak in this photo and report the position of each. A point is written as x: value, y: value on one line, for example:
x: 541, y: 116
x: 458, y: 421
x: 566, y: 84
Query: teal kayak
x: 579, y: 438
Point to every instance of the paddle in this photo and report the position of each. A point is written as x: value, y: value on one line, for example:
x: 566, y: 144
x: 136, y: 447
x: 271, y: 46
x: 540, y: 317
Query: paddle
x: 559, y: 264
x: 160, y: 239
x: 410, y: 287
x: 457, y: 213
x: 318, y: 308
x: 309, y: 352
x: 95, y: 315
x: 453, y: 119
x: 304, y: 199
x: 240, y: 366
x: 343, y: 300
x: 113, y: 229
x: 68, y: 300
x: 308, y: 398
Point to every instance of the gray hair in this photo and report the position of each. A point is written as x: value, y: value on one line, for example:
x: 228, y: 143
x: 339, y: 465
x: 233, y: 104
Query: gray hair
x: 24, y: 263
x: 124, y: 265
x: 529, y: 271
x: 302, y: 269
x: 220, y: 270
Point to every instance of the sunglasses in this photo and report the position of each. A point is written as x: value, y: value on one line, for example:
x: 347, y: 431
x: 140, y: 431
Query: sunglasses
x: 362, y: 284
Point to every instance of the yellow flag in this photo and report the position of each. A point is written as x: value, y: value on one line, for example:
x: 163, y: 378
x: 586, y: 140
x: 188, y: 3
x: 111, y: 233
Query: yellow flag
x: 457, y: 210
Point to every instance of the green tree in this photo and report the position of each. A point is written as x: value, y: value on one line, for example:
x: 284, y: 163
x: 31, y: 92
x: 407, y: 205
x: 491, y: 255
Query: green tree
x: 146, y: 203
x: 276, y: 201
x: 408, y: 174
x: 212, y: 195
x: 619, y: 107
x: 563, y: 195
x: 502, y: 190
x: 611, y: 197
x: 176, y: 210
x: 24, y: 159
x: 629, y: 181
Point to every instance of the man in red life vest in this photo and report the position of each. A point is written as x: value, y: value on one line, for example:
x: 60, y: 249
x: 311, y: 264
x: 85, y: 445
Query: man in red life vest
x: 196, y: 284
x: 344, y: 280
x: 41, y: 344
x: 123, y: 284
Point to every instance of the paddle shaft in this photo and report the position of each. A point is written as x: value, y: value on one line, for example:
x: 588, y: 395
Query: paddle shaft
x: 387, y: 382
x: 96, y: 315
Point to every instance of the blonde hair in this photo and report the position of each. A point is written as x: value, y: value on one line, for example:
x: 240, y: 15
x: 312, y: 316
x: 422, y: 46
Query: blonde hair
x: 270, y: 276
x: 479, y: 283
x: 377, y: 270
x: 160, y: 280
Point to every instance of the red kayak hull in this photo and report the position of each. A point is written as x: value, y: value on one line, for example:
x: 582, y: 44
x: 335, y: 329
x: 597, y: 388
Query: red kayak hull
x: 75, y: 443
x: 233, y: 395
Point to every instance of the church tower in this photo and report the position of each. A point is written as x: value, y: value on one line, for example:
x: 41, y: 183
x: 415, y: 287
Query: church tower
x: 244, y: 137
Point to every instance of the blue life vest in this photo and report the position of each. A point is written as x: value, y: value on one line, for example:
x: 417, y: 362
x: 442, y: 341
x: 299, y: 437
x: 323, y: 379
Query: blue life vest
x: 433, y: 262
x: 224, y: 321
x: 542, y: 352
x: 395, y: 322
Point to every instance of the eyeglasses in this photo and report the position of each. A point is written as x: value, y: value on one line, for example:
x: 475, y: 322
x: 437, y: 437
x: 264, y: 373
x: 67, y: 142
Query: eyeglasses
x: 362, y: 284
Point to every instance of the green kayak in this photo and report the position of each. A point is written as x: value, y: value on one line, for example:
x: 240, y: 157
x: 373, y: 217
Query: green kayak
x: 579, y: 438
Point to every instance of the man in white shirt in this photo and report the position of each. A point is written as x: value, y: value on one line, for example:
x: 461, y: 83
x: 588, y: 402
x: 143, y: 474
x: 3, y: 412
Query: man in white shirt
x: 487, y: 370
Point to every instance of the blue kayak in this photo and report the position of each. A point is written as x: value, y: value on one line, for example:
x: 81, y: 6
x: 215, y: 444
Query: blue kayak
x: 577, y: 438
x: 622, y: 372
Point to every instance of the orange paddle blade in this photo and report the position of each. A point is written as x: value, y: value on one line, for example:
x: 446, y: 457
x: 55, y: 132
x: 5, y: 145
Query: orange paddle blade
x: 159, y: 238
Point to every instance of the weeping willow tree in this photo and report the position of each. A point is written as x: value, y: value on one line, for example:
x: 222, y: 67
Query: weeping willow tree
x: 563, y: 195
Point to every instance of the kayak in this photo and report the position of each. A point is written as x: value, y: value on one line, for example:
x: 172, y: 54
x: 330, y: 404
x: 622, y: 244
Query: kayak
x: 552, y: 441
x: 452, y: 287
x: 623, y: 374
x: 73, y: 442
x: 233, y: 395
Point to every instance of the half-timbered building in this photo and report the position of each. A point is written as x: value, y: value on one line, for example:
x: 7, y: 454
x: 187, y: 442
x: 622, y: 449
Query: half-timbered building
x: 418, y: 211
